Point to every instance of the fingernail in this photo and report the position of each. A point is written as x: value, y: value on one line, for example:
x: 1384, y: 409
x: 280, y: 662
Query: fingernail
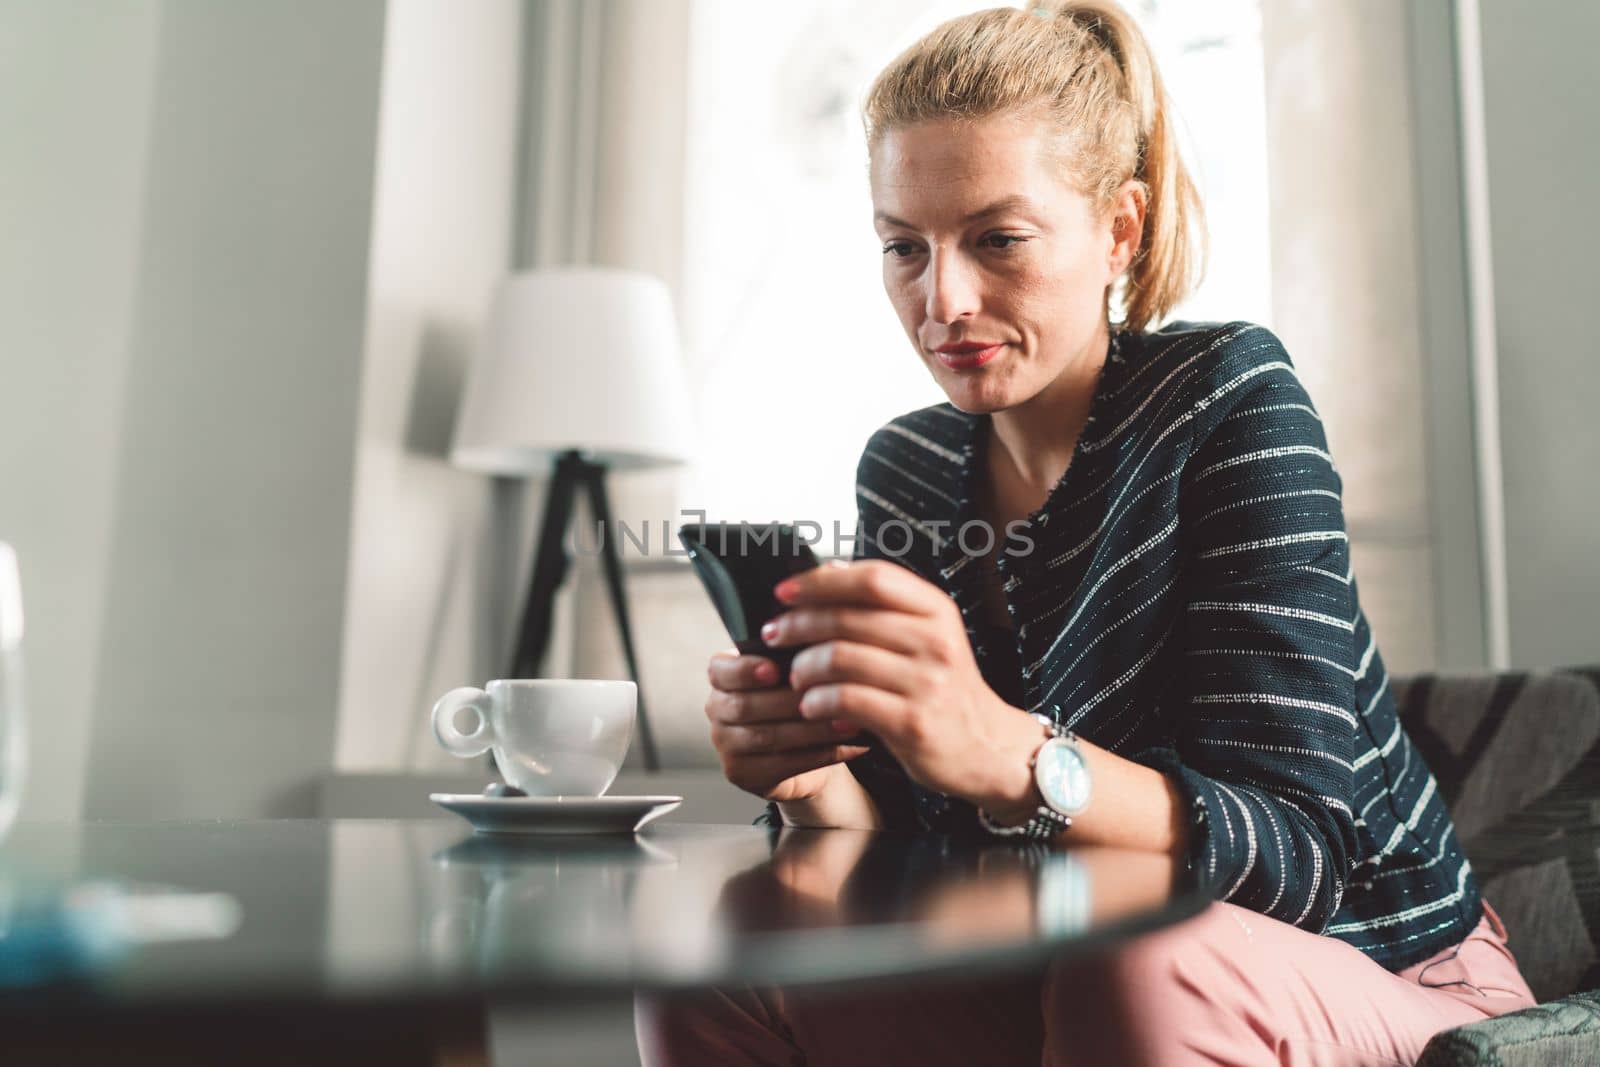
x: 843, y: 726
x: 786, y: 589
x: 766, y: 671
x: 769, y: 632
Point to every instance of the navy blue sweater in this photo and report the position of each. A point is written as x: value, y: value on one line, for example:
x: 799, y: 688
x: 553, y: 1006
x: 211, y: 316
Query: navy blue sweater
x: 1188, y: 603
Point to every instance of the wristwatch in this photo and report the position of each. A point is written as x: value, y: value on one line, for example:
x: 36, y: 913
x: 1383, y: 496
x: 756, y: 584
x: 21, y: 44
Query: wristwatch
x: 1061, y: 775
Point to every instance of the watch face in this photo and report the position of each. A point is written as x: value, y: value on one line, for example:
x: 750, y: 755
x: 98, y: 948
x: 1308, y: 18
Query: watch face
x: 1063, y: 777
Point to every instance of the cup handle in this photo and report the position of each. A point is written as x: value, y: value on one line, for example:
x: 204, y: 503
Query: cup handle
x: 480, y: 740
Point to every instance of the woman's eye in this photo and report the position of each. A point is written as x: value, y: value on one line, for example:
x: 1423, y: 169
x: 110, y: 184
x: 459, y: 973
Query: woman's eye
x: 1002, y: 242
x: 1011, y: 238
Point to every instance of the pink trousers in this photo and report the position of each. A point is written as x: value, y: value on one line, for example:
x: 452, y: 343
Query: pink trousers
x: 1228, y: 986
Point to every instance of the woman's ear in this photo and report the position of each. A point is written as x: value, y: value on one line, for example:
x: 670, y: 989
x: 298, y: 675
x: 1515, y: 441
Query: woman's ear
x: 1126, y: 216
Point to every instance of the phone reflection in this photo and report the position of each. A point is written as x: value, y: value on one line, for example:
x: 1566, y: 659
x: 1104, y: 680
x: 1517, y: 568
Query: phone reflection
x: 937, y: 892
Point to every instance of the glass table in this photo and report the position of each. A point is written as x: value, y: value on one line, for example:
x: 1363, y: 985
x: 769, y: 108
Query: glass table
x: 336, y: 935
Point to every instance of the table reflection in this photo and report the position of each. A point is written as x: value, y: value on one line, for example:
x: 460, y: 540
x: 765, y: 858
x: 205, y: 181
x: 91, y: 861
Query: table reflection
x: 678, y: 907
x: 368, y: 910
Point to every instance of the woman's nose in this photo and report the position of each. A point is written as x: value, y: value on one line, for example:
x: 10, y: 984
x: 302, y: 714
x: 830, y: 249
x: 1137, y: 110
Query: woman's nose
x: 952, y: 287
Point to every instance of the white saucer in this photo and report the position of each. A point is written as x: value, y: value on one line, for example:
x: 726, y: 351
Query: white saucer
x: 555, y: 815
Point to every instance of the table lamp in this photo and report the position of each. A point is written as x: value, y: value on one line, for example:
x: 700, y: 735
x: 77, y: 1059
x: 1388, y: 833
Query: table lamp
x: 579, y: 372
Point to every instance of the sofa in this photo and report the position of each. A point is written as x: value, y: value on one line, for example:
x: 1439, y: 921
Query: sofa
x: 1517, y: 756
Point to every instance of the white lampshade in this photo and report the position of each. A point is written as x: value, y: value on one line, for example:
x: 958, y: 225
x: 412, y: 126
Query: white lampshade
x: 583, y: 358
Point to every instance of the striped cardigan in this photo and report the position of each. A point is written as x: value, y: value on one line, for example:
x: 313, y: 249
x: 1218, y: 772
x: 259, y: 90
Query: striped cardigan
x: 1188, y: 603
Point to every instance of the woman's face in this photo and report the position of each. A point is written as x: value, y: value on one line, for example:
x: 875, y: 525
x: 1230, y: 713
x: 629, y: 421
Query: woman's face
x: 985, y: 242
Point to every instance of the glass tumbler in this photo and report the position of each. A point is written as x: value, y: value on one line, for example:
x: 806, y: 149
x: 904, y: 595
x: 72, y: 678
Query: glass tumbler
x: 13, y: 752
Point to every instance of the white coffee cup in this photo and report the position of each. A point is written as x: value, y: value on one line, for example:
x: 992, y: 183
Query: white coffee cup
x: 550, y: 736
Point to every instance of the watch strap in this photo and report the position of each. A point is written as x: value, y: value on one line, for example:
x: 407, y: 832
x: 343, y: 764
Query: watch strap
x: 1045, y: 822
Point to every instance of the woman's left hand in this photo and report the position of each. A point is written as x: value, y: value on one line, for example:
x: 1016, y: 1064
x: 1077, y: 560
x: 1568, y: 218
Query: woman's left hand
x: 889, y: 651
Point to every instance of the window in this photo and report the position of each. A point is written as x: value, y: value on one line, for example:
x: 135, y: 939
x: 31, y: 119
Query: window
x: 795, y: 353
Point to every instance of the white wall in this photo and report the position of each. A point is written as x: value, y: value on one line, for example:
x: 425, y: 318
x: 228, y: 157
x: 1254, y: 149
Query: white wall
x: 219, y: 653
x: 183, y: 239
x: 72, y: 166
x: 1345, y: 286
x: 1542, y: 128
x: 428, y: 593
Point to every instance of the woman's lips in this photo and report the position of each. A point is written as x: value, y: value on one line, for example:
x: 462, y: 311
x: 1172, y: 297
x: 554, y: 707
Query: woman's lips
x: 969, y: 360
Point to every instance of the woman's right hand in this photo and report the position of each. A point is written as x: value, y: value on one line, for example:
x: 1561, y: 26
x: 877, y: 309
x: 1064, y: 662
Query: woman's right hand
x: 766, y: 747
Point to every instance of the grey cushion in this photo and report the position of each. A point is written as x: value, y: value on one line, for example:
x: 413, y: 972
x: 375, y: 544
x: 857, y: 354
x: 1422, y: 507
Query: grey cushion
x: 1517, y: 757
x: 1563, y: 1034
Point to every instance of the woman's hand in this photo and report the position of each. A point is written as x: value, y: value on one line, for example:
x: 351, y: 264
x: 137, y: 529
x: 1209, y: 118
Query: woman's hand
x: 807, y: 871
x: 816, y: 864
x: 889, y: 653
x: 766, y: 747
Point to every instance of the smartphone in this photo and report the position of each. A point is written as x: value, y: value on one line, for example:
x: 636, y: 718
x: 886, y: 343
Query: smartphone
x: 739, y: 563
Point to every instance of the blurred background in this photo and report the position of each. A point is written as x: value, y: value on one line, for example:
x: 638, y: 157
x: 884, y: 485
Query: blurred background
x: 246, y: 251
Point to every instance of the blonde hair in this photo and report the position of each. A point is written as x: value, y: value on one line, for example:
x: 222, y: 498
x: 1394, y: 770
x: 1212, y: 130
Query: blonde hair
x: 1087, y: 66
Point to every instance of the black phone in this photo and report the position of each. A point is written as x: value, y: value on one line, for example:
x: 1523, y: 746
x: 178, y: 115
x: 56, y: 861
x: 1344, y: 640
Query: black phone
x: 739, y: 563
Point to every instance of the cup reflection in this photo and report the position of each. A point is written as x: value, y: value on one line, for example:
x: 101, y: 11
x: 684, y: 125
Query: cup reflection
x: 559, y: 900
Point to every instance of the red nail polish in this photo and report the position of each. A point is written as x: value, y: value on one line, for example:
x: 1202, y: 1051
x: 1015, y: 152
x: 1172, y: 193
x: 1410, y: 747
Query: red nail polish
x: 786, y: 590
x: 843, y: 726
x: 769, y: 632
x: 767, y: 671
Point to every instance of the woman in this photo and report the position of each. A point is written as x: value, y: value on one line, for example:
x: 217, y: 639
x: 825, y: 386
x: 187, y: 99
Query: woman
x: 1170, y: 582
